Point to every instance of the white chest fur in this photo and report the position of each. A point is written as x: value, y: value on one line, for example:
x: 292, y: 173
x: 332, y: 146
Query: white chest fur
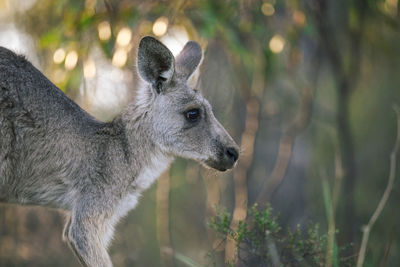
x: 157, y: 165
x: 126, y: 204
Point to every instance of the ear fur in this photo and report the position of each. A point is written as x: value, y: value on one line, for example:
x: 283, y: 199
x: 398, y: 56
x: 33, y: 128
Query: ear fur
x: 156, y: 63
x: 189, y: 59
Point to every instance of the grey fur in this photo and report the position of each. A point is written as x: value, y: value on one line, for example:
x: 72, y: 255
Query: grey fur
x: 53, y: 153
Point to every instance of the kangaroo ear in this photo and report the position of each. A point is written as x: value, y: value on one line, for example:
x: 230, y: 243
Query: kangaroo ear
x: 156, y: 63
x: 189, y: 58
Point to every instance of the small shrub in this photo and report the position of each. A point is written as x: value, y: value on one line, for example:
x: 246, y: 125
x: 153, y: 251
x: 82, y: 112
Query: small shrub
x: 261, y: 241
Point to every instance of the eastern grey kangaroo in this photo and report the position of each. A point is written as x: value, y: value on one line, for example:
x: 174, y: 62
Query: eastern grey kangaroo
x: 53, y: 153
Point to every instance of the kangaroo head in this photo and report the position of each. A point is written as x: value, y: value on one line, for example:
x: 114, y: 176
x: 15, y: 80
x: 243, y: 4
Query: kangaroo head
x: 182, y: 120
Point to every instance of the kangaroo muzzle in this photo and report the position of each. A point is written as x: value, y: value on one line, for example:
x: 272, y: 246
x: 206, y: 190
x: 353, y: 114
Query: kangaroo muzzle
x: 226, y: 156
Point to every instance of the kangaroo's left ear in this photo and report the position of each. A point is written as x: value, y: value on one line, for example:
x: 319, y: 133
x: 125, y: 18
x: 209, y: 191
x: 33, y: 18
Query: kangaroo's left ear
x: 156, y: 63
x: 189, y: 59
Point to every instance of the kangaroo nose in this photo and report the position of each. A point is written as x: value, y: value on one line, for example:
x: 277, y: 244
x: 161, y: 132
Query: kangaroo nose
x: 232, y: 153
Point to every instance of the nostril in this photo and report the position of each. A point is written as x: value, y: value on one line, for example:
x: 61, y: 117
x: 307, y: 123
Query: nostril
x: 232, y: 153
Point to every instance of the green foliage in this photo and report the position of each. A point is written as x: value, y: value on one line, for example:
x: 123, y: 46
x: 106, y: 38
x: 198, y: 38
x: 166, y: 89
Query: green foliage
x: 261, y: 241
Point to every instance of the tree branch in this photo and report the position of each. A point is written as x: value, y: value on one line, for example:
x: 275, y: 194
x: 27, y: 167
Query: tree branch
x: 385, y: 196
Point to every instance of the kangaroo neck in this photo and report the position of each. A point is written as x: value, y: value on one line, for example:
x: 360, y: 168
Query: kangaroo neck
x: 147, y: 158
x: 137, y: 122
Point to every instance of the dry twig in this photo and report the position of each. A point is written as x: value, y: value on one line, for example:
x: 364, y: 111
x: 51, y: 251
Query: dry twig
x: 367, y: 229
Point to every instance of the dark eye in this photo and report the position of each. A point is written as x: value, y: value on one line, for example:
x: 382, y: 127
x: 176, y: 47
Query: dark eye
x: 193, y: 115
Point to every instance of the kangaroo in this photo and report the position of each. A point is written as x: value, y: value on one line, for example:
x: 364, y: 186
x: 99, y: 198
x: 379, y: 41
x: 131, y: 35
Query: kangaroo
x: 53, y: 153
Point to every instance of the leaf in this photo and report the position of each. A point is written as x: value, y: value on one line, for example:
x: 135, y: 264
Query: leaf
x: 85, y: 21
x: 51, y: 38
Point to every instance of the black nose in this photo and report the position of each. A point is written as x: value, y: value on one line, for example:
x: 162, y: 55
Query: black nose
x: 232, y: 153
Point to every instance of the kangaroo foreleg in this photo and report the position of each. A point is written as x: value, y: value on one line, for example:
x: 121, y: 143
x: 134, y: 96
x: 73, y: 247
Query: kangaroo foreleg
x: 84, y: 235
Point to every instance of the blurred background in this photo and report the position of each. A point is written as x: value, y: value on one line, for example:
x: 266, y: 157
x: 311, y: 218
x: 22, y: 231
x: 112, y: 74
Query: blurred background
x: 305, y: 86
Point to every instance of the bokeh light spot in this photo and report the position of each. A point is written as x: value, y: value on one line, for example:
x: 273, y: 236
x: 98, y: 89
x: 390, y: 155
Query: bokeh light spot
x: 120, y: 57
x: 71, y: 60
x: 104, y: 30
x: 277, y: 43
x: 124, y: 36
x: 299, y: 18
x: 267, y: 9
x: 160, y: 26
x: 59, y: 56
x: 4, y: 5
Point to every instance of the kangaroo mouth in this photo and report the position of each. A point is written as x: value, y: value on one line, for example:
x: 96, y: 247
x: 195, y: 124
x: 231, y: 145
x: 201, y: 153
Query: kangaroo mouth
x: 218, y: 165
x: 224, y: 159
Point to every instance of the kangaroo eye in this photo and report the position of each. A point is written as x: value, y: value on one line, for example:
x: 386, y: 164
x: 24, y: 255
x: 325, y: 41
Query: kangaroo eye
x: 193, y: 115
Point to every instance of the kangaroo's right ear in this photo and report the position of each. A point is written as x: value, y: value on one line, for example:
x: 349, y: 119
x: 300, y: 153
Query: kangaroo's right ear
x: 156, y: 63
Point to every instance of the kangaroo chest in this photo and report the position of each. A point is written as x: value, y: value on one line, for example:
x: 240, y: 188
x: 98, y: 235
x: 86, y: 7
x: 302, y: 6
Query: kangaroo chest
x: 147, y: 176
x: 157, y: 164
